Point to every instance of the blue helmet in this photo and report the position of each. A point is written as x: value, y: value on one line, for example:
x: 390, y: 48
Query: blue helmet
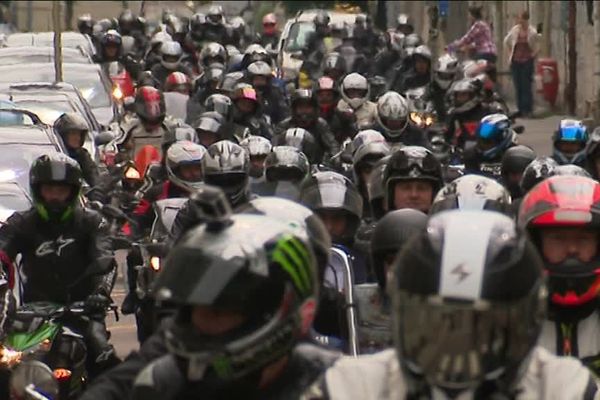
x: 573, y: 133
x: 494, y: 136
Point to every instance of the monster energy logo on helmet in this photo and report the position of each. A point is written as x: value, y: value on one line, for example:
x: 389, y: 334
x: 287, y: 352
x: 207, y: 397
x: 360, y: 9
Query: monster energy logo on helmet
x: 295, y: 259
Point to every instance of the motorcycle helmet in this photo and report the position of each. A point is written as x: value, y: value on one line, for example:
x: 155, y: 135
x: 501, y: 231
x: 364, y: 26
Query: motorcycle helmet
x: 171, y: 54
x: 259, y: 74
x: 213, y: 53
x: 184, y: 164
x: 334, y: 66
x: 304, y: 97
x: 302, y: 140
x: 250, y: 265
x: 269, y: 24
x: 364, y: 137
x: 179, y: 134
x: 214, y: 16
x: 71, y: 122
x: 355, y: 90
x: 390, y: 235
x: 538, y: 170
x: 411, y: 42
x: 127, y: 22
x: 208, y: 129
x: 245, y: 100
x: 422, y: 52
x: 592, y: 155
x: 404, y: 24
x: 411, y: 163
x: 213, y: 77
x: 448, y: 303
x: 445, y: 71
x: 494, y: 136
x: 113, y: 39
x: 149, y: 105
x: 178, y: 82
x: 321, y: 20
x: 565, y: 202
x: 219, y: 103
x: 569, y: 142
x: 158, y: 39
x: 326, y: 93
x: 55, y: 168
x: 514, y: 162
x: 258, y: 148
x: 227, y: 165
x: 572, y: 170
x: 472, y: 192
x: 464, y: 96
x: 301, y: 219
x: 392, y: 115
x: 331, y: 196
x: 375, y: 188
x: 85, y: 24
x: 196, y: 26
x: 286, y: 163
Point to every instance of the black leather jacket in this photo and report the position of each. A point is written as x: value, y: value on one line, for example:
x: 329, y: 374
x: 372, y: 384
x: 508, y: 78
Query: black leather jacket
x: 59, y: 258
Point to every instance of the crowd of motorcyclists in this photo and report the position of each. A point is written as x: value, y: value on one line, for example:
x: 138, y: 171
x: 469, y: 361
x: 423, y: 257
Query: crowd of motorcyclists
x: 370, y: 229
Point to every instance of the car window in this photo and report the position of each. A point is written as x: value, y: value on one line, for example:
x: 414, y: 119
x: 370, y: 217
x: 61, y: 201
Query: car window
x: 298, y: 36
x: 91, y: 88
x: 48, y: 111
x: 17, y: 159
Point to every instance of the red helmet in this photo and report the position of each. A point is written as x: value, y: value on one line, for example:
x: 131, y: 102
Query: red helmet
x: 150, y: 105
x: 178, y: 82
x: 566, y: 201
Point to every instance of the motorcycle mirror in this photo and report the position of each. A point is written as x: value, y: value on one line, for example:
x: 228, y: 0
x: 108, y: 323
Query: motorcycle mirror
x: 103, y: 138
x: 519, y: 129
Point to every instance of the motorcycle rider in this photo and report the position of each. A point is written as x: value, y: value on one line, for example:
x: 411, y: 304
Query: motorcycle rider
x: 215, y: 30
x: 335, y: 199
x: 177, y: 89
x: 73, y: 130
x: 428, y: 300
x: 273, y: 103
x: 285, y: 168
x: 392, y: 121
x: 514, y: 162
x: 65, y: 251
x: 305, y: 115
x: 111, y: 44
x: 258, y: 148
x: 208, y: 128
x: 302, y: 140
x: 229, y: 129
x: 316, y: 48
x: 248, y: 113
x: 445, y: 71
x: 342, y: 124
x: 561, y: 215
x: 171, y: 54
x: 270, y: 34
x: 569, y: 142
x: 420, y: 73
x: 355, y: 93
x: 85, y: 24
x: 411, y: 179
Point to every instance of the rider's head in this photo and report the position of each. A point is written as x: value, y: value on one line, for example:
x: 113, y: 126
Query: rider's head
x: 55, y: 183
x: 73, y: 130
x: 150, y: 107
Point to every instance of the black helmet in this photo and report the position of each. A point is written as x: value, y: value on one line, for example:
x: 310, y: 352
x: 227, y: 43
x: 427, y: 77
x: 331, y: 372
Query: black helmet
x: 299, y: 217
x: 389, y: 236
x: 472, y: 192
x: 85, y: 24
x: 334, y: 65
x: 304, y: 96
x: 470, y: 284
x: 330, y: 191
x: 111, y: 37
x: 55, y: 168
x: 514, y: 162
x: 375, y: 188
x: 127, y: 22
x: 411, y: 163
x: 250, y: 265
x: 226, y: 165
x: 221, y: 104
x: 208, y: 128
x: 538, y: 170
x: 71, y: 122
x: 286, y: 163
x: 301, y: 139
x: 322, y: 18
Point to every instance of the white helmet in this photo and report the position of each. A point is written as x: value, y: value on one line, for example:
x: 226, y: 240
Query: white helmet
x: 159, y: 38
x: 357, y: 83
x: 171, y: 54
x: 445, y: 70
x: 464, y: 86
x: 422, y: 51
x: 256, y: 146
x: 392, y: 114
x: 184, y: 153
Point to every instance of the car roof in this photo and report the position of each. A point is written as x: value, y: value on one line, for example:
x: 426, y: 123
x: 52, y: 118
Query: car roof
x: 335, y: 16
x: 27, y: 134
x: 69, y: 54
x: 37, y: 87
x: 24, y: 72
x: 69, y: 39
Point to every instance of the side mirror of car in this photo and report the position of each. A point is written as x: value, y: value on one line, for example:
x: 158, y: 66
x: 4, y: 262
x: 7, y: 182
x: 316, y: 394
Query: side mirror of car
x: 103, y: 138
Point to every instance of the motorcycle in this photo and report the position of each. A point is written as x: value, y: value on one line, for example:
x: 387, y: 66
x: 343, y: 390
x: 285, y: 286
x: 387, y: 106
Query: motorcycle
x: 149, y: 312
x: 41, y: 332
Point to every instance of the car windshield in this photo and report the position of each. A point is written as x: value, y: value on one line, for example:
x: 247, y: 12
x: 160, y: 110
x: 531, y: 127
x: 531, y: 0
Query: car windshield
x: 16, y: 160
x: 298, y: 36
x: 48, y: 111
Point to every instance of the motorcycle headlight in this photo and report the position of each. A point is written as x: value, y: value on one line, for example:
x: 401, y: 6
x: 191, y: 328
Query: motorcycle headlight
x: 415, y: 117
x: 9, y: 358
x: 155, y: 263
x: 117, y: 93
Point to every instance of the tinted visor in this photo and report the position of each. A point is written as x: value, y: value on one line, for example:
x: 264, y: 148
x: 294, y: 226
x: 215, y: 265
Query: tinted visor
x: 427, y: 165
x: 457, y: 346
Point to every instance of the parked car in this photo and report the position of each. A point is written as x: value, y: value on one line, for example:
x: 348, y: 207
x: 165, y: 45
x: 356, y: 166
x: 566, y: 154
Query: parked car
x: 30, y: 54
x: 73, y: 40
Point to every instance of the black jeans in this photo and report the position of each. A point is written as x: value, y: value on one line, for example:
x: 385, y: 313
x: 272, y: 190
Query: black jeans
x: 522, y: 74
